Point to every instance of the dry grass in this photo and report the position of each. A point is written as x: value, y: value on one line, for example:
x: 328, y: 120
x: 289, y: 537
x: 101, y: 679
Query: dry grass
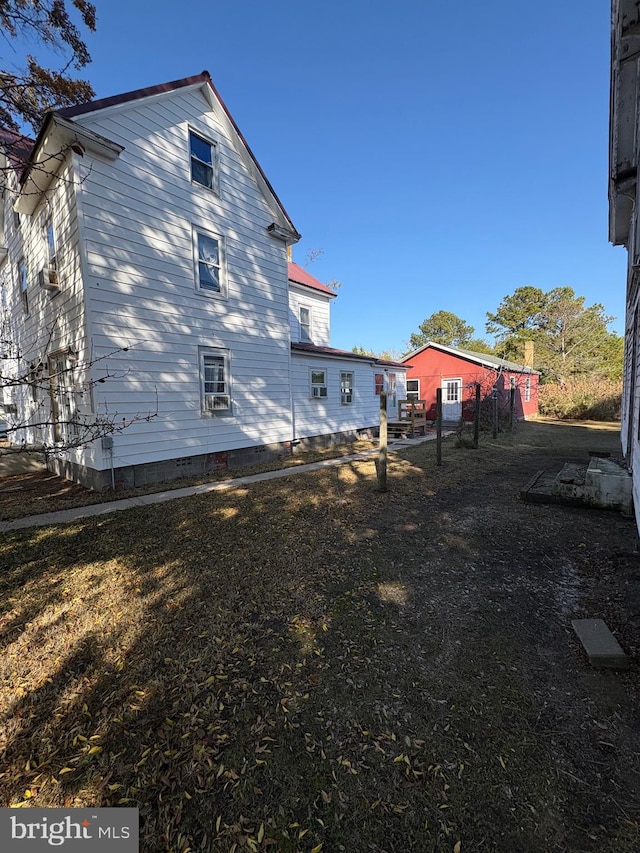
x: 310, y: 665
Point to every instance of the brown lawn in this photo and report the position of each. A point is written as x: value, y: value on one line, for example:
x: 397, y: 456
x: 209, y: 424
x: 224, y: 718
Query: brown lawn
x: 311, y: 665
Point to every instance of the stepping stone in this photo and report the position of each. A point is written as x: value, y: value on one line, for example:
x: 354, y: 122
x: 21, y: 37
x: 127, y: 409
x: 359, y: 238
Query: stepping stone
x: 602, y: 648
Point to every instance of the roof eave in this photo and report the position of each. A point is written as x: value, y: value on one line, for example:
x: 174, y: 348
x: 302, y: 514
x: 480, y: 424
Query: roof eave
x: 57, y: 138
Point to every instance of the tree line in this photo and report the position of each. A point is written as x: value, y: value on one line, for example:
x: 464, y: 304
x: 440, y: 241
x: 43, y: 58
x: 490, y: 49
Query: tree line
x: 570, y: 338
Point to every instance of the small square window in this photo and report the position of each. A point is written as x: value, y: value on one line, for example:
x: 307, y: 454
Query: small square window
x: 318, y: 383
x: 346, y: 387
x: 202, y: 155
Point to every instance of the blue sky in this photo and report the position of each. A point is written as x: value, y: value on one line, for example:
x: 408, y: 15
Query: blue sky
x: 439, y: 154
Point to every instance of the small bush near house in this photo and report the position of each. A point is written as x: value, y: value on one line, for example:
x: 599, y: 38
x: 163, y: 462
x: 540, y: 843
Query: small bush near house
x: 590, y: 398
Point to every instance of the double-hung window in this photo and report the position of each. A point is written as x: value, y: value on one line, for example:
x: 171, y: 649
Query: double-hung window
x: 214, y: 371
x: 64, y: 397
x: 413, y: 389
x: 203, y: 160
x: 305, y: 324
x: 24, y: 285
x: 346, y: 387
x: 318, y: 383
x: 209, y: 262
x: 50, y: 244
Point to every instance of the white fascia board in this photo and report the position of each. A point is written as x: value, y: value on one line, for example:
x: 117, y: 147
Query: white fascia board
x: 61, y: 136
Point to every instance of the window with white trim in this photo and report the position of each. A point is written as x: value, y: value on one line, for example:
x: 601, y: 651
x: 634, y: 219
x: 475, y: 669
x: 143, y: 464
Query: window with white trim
x: 65, y: 396
x: 318, y: 383
x: 392, y: 388
x: 214, y: 377
x: 49, y: 237
x: 305, y: 324
x: 209, y: 262
x: 346, y: 387
x: 203, y: 161
x: 413, y: 389
x: 527, y: 389
x: 24, y: 285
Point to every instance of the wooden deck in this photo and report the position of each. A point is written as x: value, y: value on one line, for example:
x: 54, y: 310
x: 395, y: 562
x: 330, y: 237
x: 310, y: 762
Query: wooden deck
x: 412, y: 419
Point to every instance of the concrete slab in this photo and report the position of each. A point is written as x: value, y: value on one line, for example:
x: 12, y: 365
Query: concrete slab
x: 602, y: 648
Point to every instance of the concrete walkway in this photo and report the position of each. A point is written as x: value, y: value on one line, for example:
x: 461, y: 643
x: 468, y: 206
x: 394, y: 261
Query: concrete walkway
x: 66, y: 515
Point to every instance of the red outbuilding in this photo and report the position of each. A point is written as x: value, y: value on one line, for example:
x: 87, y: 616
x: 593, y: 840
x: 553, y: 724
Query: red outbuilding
x: 459, y: 371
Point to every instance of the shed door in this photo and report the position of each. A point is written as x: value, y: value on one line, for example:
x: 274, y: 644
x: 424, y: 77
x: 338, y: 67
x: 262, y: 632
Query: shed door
x: 451, y: 399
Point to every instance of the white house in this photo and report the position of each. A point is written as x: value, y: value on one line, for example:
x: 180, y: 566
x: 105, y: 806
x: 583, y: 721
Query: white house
x: 624, y: 221
x: 146, y: 282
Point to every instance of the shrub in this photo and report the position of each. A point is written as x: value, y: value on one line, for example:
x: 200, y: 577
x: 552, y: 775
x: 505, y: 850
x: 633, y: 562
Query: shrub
x: 586, y: 398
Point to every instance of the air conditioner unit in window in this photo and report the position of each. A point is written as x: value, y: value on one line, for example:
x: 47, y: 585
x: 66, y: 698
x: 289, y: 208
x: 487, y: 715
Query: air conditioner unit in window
x: 48, y: 279
x: 216, y: 402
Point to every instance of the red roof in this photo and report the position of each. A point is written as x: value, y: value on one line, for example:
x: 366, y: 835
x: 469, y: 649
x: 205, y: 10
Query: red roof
x: 300, y: 276
x: 18, y: 148
x: 135, y: 95
x: 341, y: 353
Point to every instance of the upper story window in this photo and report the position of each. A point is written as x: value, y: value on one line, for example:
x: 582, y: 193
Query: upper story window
x: 50, y: 244
x: 24, y: 285
x: 305, y: 324
x: 209, y: 262
x: 203, y: 160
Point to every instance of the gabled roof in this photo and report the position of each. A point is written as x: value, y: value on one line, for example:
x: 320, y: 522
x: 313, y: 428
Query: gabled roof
x: 17, y: 148
x: 482, y: 358
x: 202, y: 81
x: 312, y: 349
x: 298, y: 275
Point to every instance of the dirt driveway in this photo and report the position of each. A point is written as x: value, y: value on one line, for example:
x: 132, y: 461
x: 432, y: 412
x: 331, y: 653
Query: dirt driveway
x: 310, y: 665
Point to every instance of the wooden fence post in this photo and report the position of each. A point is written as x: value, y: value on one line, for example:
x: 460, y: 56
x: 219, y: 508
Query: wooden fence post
x: 495, y: 412
x: 439, y: 425
x: 476, y: 419
x: 512, y: 406
x: 381, y: 466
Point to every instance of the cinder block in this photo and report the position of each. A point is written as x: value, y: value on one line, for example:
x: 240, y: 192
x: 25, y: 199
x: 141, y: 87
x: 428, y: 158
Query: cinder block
x: 602, y: 648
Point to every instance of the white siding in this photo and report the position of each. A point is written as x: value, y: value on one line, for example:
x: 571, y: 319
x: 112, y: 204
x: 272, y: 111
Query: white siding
x: 138, y: 216
x: 56, y: 320
x: 319, y: 306
x: 319, y: 416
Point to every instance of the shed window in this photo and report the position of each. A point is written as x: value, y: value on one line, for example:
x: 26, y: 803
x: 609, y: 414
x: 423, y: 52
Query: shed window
x: 527, y: 389
x: 378, y: 382
x: 413, y: 389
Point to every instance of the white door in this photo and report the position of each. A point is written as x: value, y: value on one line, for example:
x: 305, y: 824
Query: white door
x: 451, y: 399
